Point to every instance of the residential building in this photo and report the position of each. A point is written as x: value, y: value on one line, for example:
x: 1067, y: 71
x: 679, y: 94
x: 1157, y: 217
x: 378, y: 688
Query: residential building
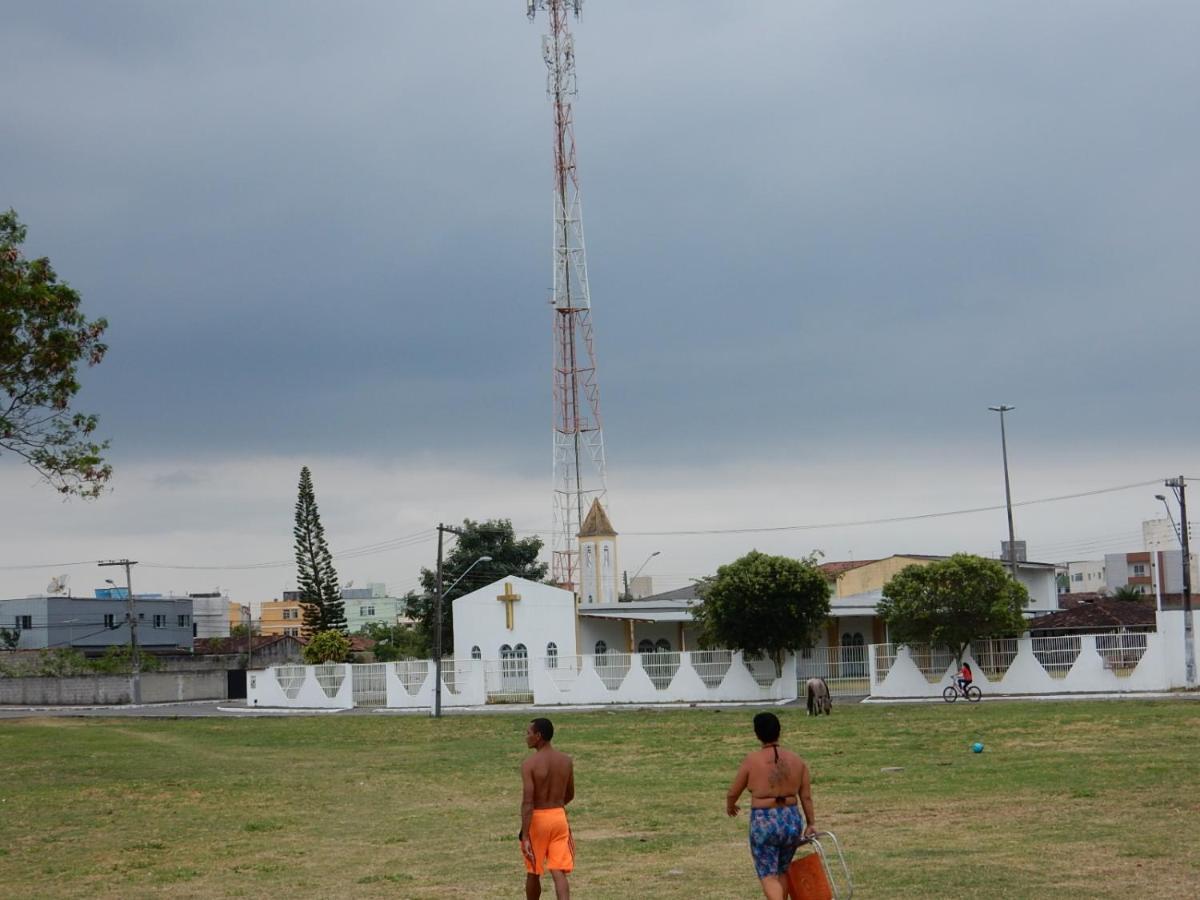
x: 372, y: 604
x: 282, y: 617
x: 238, y: 615
x: 96, y: 623
x: 1085, y: 576
x: 210, y: 613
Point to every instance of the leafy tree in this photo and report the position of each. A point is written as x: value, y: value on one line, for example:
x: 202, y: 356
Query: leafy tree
x: 327, y: 646
x: 395, y: 641
x: 952, y: 602
x: 320, y: 594
x: 10, y: 637
x: 43, y: 339
x: 1127, y: 592
x: 510, y: 558
x: 763, y: 604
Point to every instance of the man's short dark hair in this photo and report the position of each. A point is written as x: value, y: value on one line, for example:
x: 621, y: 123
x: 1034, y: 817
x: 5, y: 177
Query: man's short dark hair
x: 544, y: 727
x: 766, y: 727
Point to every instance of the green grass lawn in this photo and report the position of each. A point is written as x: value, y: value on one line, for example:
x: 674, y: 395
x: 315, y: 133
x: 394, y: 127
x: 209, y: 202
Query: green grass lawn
x: 1081, y: 799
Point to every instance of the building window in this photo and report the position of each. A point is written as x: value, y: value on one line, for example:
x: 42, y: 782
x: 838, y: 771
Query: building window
x: 291, y: 632
x: 645, y: 645
x: 505, y: 651
x: 366, y: 610
x: 1078, y: 576
x: 476, y: 653
x: 1139, y: 569
x: 110, y: 620
x: 552, y: 655
x: 185, y: 620
x: 662, y: 645
x: 160, y: 620
x: 141, y: 617
x: 291, y: 613
x: 601, y: 648
x: 24, y: 623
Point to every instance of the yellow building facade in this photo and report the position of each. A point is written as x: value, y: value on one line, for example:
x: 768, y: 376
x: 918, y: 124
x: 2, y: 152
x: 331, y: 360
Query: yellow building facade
x: 281, y: 617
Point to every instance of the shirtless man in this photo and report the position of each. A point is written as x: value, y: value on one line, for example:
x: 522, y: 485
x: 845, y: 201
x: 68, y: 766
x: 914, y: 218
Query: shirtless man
x: 548, y: 781
x: 776, y: 779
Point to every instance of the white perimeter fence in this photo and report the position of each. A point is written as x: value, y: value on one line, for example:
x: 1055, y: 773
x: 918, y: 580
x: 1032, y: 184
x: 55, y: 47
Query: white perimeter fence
x: 708, y: 676
x: 1045, y: 665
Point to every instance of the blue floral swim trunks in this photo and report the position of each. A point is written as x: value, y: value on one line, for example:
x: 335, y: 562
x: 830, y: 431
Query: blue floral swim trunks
x: 775, y: 833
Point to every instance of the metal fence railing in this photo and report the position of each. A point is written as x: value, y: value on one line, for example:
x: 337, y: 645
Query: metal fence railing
x: 762, y: 669
x: 932, y: 661
x: 290, y: 679
x: 507, y: 680
x: 330, y: 677
x: 1121, y: 652
x: 885, y: 657
x: 413, y: 672
x: 369, y: 684
x: 994, y: 656
x: 1057, y: 654
x: 711, y: 665
x: 612, y: 668
x: 846, y: 670
x: 661, y: 666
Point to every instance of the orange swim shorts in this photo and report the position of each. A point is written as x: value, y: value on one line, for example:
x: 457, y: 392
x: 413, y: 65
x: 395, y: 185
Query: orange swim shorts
x: 551, y: 839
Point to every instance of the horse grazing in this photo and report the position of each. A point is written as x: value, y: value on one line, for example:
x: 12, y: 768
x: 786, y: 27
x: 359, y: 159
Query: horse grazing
x: 819, y: 699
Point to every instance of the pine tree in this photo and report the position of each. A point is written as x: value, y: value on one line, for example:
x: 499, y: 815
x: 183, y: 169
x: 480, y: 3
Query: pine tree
x: 320, y: 596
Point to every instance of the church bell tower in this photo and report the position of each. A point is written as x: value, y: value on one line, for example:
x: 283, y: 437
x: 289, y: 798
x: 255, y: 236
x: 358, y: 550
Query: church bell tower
x: 598, y: 568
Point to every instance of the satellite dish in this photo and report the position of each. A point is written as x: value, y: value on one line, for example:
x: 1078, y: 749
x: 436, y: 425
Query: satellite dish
x: 58, y: 584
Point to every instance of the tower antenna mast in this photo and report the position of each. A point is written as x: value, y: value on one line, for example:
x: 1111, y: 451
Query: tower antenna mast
x: 579, y: 463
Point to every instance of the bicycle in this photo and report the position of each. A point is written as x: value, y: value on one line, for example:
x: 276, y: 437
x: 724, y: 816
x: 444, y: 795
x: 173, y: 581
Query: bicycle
x: 953, y: 692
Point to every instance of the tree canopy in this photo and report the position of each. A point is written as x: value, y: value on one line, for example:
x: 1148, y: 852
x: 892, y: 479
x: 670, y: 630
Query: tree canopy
x: 763, y: 604
x: 509, y: 558
x: 316, y: 578
x: 394, y: 640
x: 43, y: 338
x: 951, y: 602
x: 326, y: 647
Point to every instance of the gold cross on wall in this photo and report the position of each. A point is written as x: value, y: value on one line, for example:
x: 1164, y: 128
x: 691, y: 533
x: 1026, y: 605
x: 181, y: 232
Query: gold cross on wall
x: 508, y: 598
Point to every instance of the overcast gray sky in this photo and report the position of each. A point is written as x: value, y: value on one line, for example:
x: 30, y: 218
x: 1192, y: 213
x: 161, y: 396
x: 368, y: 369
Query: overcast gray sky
x: 823, y: 237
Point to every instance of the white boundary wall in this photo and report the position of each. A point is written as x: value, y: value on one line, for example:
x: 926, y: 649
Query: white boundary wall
x: 701, y: 677
x: 1084, y: 664
x: 1083, y: 671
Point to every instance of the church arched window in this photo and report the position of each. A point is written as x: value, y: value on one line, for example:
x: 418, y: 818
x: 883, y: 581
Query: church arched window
x: 645, y: 645
x: 662, y: 645
x: 520, y: 652
x: 505, y: 651
x: 601, y: 648
x: 552, y: 655
x: 476, y: 653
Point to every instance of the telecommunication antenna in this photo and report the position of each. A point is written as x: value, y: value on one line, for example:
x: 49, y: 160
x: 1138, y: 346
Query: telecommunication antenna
x: 579, y: 462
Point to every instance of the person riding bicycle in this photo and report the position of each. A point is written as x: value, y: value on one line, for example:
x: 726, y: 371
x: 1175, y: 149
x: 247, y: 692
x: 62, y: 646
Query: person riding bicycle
x: 965, y: 677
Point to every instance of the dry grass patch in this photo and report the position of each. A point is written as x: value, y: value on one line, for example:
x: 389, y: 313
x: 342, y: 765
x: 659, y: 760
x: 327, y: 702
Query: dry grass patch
x: 1068, y: 799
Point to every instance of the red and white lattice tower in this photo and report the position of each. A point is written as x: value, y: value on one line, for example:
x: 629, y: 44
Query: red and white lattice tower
x: 579, y: 466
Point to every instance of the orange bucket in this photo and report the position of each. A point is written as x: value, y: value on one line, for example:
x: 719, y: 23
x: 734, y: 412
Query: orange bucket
x: 807, y: 880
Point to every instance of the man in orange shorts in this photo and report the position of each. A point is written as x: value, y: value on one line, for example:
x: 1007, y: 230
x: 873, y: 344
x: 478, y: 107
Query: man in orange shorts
x: 548, y: 782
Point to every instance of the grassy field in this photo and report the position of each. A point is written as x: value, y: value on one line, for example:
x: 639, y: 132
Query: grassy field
x: 1082, y: 799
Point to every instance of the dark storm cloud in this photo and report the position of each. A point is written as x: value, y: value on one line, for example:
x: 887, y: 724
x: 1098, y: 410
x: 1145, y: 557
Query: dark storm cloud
x: 319, y: 225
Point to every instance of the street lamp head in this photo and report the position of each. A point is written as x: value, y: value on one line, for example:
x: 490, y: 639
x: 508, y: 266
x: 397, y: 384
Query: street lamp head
x: 1002, y: 408
x: 1160, y: 497
x: 110, y: 581
x: 655, y: 553
x: 484, y: 559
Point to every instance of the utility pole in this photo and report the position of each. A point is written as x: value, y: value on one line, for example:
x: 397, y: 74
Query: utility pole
x: 1179, y: 487
x: 135, y: 660
x: 437, y: 619
x: 1012, y: 540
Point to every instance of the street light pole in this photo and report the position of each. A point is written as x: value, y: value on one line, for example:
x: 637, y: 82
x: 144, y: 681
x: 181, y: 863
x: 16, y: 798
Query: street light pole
x: 437, y: 615
x: 1179, y: 487
x: 628, y: 596
x: 135, y: 659
x: 1012, y: 540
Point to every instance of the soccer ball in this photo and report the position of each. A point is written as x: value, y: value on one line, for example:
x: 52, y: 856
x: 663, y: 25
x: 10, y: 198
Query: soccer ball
x: 977, y: 747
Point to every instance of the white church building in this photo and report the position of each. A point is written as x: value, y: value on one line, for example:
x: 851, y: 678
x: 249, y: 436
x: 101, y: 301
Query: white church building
x: 513, y: 617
